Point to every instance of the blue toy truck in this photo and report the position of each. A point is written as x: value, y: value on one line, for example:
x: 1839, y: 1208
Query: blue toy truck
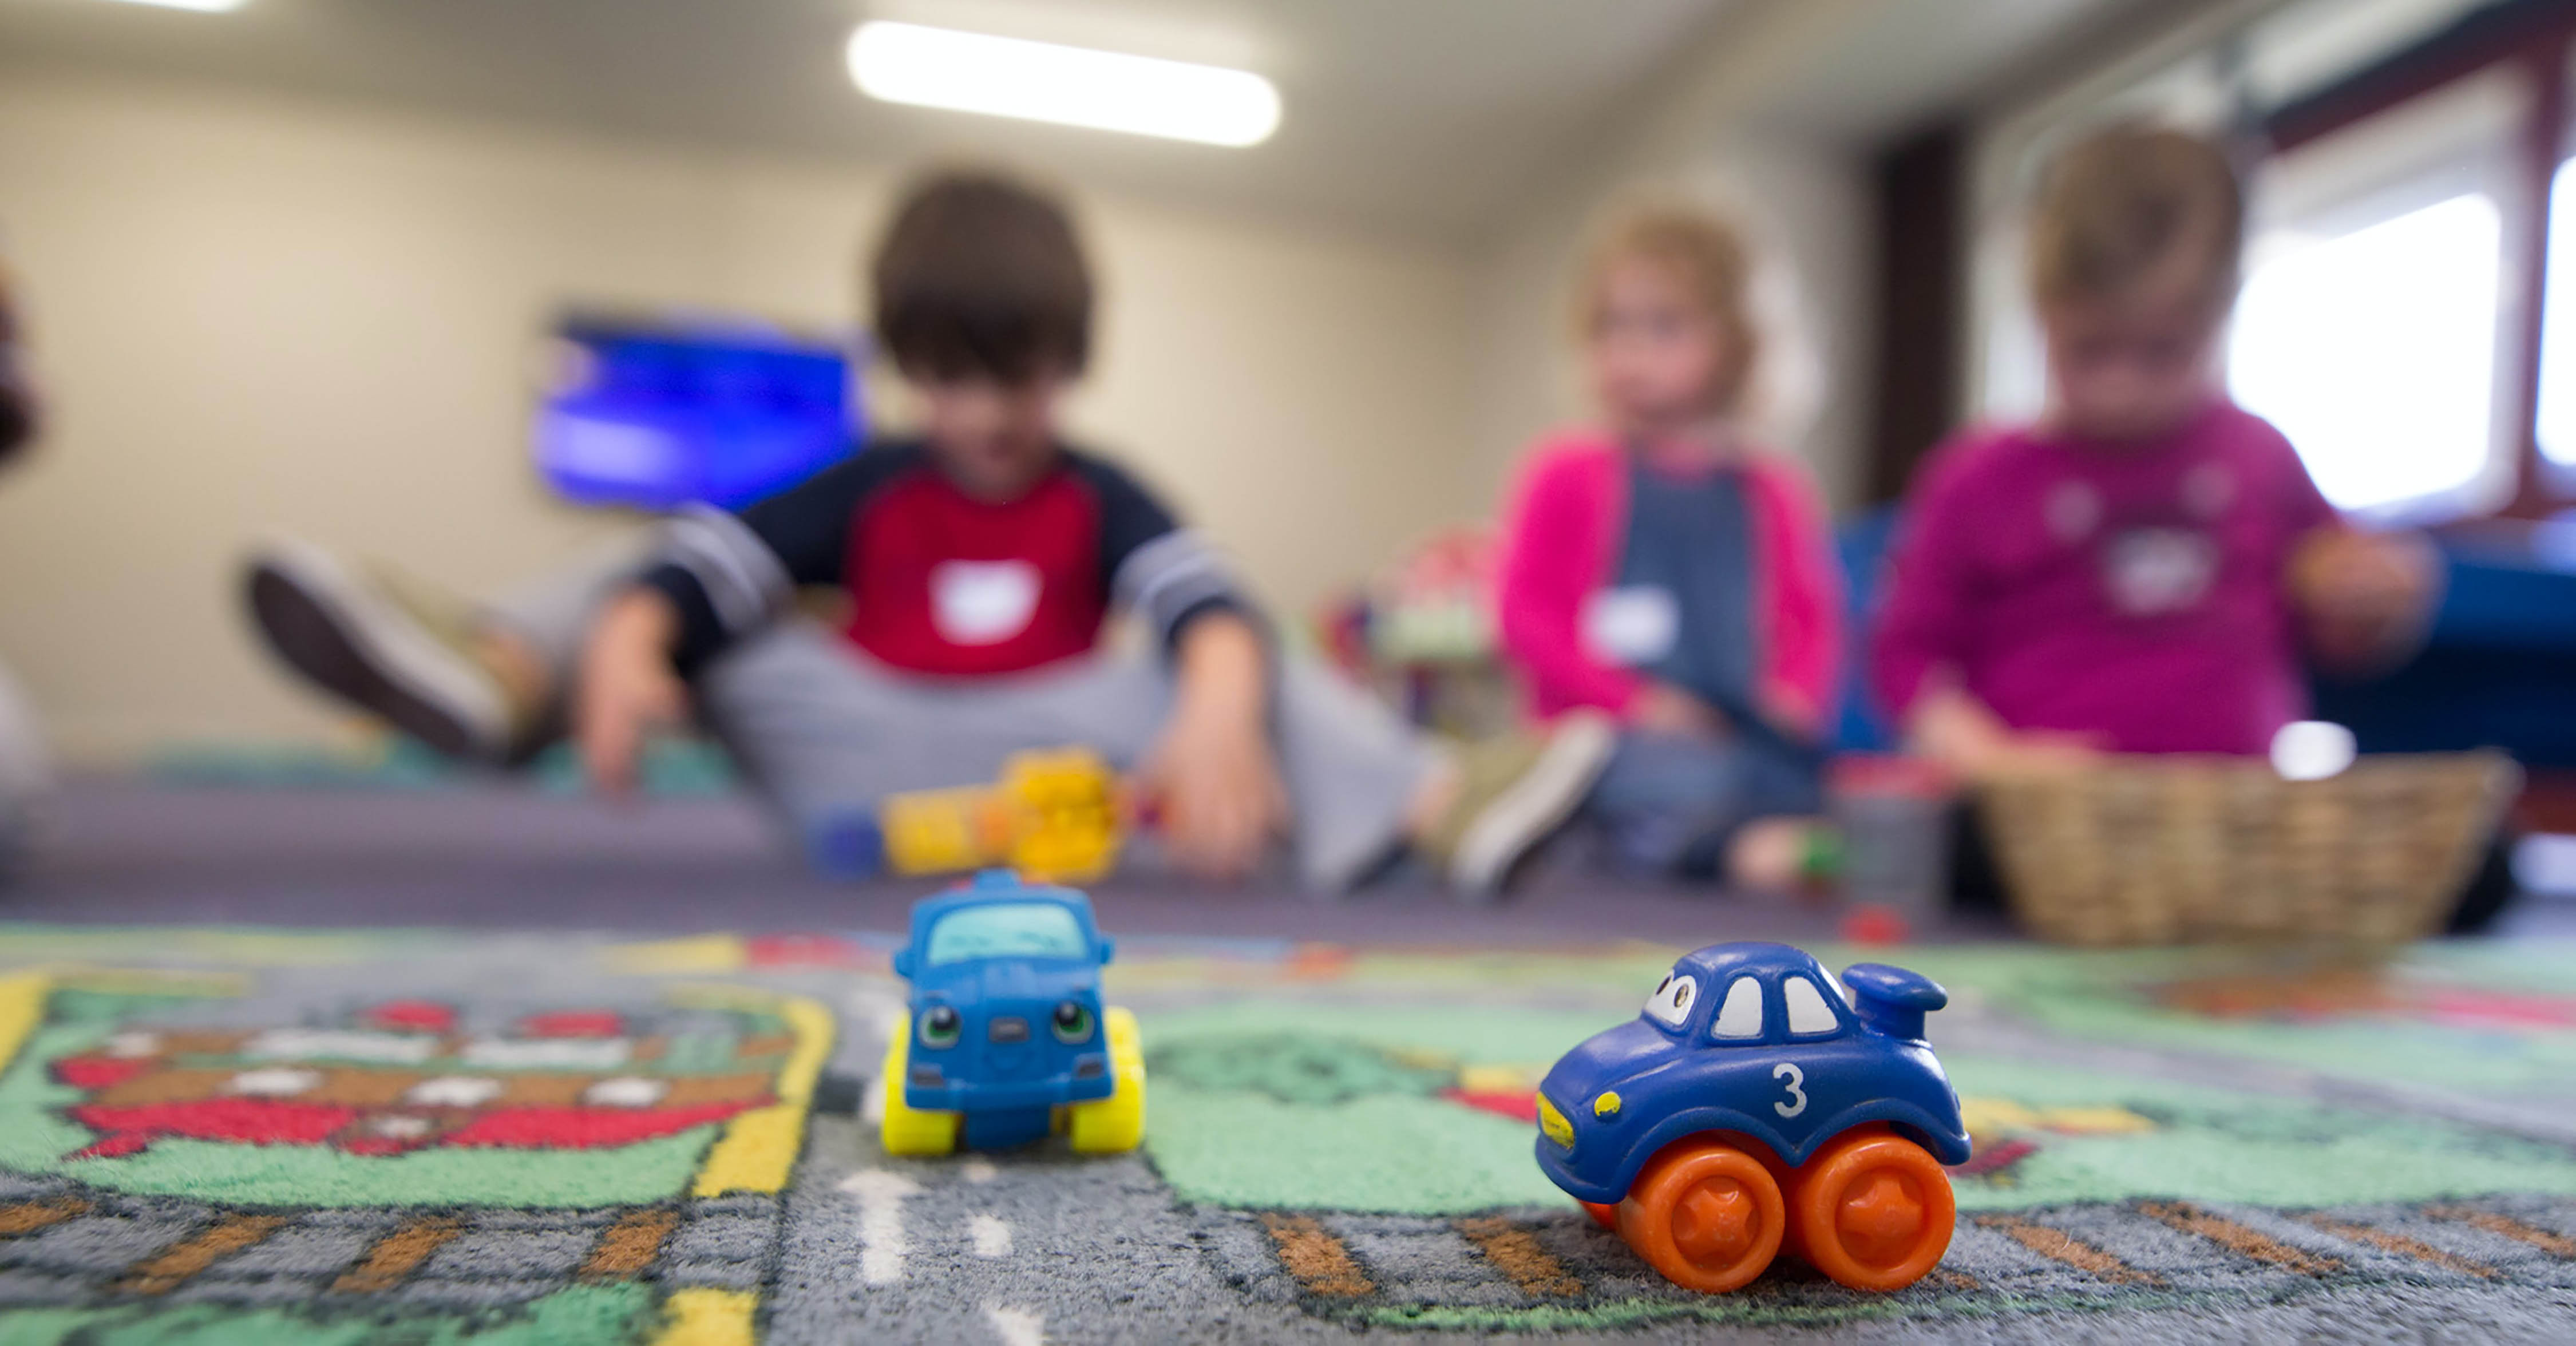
x: 1758, y: 1102
x: 1006, y: 1041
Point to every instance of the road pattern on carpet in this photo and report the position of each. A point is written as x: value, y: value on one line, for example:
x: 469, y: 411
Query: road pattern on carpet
x: 551, y: 1138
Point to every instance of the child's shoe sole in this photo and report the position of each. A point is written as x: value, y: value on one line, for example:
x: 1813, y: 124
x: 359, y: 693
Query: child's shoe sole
x: 355, y: 643
x: 1534, y: 807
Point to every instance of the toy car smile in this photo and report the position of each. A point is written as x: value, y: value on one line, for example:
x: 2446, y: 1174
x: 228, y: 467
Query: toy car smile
x: 1758, y: 1102
x: 1006, y: 1040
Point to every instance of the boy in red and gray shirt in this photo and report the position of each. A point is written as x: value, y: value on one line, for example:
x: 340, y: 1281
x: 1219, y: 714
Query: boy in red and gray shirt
x: 981, y: 560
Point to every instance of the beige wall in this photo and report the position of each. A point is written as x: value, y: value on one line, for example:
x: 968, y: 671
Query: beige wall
x: 1807, y: 212
x: 1698, y: 133
x: 256, y: 315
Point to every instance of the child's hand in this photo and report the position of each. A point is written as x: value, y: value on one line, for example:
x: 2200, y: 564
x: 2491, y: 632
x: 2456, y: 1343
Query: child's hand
x: 1221, y: 800
x: 627, y: 688
x: 1954, y: 728
x: 2036, y: 752
x: 1213, y: 774
x: 2367, y: 597
x: 1667, y: 710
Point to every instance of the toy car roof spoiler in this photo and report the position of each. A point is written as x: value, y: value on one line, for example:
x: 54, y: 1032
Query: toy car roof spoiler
x: 1891, y: 999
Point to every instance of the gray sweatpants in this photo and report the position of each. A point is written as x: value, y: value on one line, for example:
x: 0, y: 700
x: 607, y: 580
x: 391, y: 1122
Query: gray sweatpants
x: 1669, y: 806
x: 824, y: 732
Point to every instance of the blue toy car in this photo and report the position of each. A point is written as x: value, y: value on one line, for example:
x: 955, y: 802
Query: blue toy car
x: 1007, y: 1041
x: 1758, y: 1101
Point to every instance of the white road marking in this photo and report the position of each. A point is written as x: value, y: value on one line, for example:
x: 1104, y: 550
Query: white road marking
x: 979, y: 1169
x: 342, y: 1044
x: 545, y: 1053
x: 991, y: 1236
x: 881, y: 1245
x: 1016, y: 1327
x: 454, y: 1091
x: 274, y: 1082
x: 626, y: 1091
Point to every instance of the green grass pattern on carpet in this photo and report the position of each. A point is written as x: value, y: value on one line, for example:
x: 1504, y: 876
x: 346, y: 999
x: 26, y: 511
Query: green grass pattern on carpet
x: 1406, y: 1150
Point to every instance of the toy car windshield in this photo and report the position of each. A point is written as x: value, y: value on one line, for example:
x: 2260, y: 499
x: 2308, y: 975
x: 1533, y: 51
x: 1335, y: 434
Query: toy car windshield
x: 1006, y: 930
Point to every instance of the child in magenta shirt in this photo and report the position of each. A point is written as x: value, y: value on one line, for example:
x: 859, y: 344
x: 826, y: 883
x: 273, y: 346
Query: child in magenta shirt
x: 1661, y: 569
x: 2148, y: 568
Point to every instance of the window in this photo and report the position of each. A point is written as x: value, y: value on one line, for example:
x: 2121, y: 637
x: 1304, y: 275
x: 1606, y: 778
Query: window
x: 2557, y: 426
x: 1741, y: 1015
x: 2375, y: 351
x: 2371, y: 325
x: 1808, y: 1013
x: 1006, y: 930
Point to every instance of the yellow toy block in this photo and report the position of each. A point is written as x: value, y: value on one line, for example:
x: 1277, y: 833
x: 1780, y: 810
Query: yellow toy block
x: 1054, y: 816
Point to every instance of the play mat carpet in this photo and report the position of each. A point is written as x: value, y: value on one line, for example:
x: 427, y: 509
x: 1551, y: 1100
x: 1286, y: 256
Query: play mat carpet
x: 425, y: 1137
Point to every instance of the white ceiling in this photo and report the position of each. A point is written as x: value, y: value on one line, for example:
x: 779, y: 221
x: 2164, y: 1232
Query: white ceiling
x: 1420, y: 116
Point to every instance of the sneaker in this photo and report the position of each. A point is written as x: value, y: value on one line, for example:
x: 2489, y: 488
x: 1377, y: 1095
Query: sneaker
x: 1515, y: 793
x: 403, y: 656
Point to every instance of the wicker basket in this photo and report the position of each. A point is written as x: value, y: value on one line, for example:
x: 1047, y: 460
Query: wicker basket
x: 2163, y: 850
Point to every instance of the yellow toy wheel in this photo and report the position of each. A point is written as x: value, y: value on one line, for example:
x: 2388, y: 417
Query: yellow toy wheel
x: 1116, y: 1124
x: 907, y: 1129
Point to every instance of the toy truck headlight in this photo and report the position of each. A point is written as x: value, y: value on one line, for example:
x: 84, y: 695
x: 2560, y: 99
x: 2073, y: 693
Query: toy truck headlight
x: 1553, y: 1124
x: 941, y: 1026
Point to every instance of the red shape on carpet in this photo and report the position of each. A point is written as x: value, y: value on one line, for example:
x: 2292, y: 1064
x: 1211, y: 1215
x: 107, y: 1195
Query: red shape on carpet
x: 1995, y: 1158
x: 808, y: 950
x: 419, y: 1016
x: 243, y: 1121
x: 92, y: 1073
x: 573, y: 1024
x: 1520, y: 1105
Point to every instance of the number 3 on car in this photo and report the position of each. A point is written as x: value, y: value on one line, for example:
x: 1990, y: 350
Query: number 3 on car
x: 1686, y: 1131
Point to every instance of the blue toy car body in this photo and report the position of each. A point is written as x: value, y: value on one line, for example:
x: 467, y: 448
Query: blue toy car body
x: 1006, y: 1023
x: 1755, y: 1039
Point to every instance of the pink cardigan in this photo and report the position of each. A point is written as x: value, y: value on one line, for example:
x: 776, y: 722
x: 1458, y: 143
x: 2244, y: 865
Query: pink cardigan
x: 1562, y: 539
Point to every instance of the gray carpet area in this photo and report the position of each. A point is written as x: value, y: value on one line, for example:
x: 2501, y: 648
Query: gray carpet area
x: 505, y: 854
x: 501, y: 854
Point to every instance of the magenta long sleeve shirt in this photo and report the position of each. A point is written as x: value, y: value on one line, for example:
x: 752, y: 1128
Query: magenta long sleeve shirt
x: 2137, y: 592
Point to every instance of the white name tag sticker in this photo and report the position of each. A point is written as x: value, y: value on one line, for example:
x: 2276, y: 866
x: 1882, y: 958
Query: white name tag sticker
x: 1630, y: 626
x: 983, y: 602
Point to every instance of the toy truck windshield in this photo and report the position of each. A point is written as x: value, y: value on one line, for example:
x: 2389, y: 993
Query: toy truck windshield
x: 1006, y: 930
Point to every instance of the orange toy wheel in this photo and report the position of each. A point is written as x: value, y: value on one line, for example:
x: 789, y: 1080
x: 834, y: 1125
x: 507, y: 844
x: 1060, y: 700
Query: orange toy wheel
x: 1705, y: 1214
x: 1872, y: 1210
x: 1605, y: 1216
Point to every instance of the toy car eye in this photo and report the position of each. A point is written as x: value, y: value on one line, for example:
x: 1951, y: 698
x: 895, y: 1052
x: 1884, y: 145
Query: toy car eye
x: 1671, y: 1002
x: 1072, y: 1022
x: 940, y: 1026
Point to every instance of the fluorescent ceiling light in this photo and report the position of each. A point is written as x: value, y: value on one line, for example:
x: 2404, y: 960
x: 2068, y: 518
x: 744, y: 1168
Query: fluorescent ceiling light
x: 201, y: 6
x: 1077, y: 86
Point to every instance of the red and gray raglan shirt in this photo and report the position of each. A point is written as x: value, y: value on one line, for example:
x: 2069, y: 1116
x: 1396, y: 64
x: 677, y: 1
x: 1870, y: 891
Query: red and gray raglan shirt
x: 943, y: 584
